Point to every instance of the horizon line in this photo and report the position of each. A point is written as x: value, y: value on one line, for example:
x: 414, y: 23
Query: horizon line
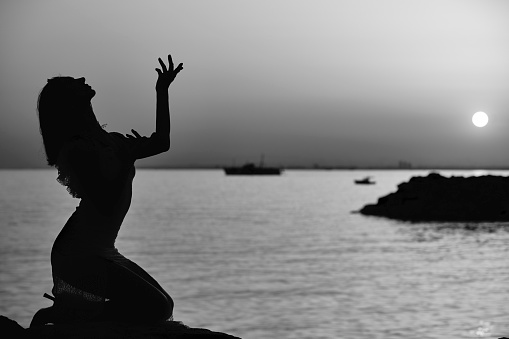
x: 294, y: 167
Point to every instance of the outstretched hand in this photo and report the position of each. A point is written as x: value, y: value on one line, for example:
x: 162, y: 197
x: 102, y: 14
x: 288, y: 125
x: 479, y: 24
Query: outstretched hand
x: 166, y: 75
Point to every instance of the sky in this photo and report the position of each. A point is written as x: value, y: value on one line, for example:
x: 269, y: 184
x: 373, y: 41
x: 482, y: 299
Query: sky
x: 333, y: 83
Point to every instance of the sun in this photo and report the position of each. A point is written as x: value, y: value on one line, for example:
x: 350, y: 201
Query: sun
x: 480, y: 119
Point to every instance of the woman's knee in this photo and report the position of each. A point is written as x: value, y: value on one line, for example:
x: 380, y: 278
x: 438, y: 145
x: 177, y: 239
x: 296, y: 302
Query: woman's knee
x: 166, y: 310
x: 157, y: 310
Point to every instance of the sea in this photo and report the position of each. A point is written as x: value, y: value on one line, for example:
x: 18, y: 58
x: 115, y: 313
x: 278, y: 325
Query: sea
x: 276, y: 256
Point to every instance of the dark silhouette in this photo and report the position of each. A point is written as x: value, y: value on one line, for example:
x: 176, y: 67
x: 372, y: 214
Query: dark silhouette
x: 364, y: 181
x: 92, y: 281
x: 446, y: 199
x: 252, y: 169
x: 168, y: 329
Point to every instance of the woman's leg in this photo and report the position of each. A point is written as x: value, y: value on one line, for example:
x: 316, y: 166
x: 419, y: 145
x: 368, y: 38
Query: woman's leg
x: 131, y: 265
x: 134, y: 295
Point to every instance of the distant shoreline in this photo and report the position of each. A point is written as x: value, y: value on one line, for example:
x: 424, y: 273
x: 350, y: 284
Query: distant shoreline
x: 307, y: 168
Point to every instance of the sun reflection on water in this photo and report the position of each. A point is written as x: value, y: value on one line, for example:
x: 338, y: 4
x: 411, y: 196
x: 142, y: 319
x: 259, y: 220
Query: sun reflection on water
x: 484, y: 329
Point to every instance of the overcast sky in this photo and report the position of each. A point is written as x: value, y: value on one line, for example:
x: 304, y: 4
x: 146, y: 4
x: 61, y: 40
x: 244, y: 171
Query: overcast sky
x: 340, y: 82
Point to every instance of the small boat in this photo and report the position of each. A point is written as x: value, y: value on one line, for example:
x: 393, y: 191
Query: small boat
x: 365, y: 181
x: 252, y: 169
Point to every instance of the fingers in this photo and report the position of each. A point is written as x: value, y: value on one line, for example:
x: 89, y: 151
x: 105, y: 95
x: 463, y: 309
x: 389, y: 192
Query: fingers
x: 170, y: 66
x: 170, y: 62
x: 163, y: 66
x: 136, y: 133
x: 166, y: 75
x: 135, y: 136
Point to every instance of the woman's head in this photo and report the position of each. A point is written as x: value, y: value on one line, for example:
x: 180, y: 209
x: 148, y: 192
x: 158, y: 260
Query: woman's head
x: 64, y: 110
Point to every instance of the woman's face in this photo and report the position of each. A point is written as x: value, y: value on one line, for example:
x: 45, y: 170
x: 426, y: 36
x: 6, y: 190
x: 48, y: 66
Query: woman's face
x: 82, y: 89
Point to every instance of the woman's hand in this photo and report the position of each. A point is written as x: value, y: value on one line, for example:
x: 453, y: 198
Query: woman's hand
x: 135, y: 136
x: 166, y: 75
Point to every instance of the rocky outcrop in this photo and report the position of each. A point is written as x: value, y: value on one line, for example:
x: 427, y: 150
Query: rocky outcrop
x: 439, y: 198
x: 107, y: 330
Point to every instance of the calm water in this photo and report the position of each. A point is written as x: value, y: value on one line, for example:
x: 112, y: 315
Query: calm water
x: 274, y: 257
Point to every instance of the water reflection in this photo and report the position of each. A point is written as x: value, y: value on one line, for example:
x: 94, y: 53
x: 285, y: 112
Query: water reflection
x: 462, y: 258
x: 422, y: 232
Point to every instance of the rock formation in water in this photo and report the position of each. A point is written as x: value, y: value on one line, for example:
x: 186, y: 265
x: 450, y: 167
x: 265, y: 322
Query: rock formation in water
x: 439, y: 198
x: 107, y: 330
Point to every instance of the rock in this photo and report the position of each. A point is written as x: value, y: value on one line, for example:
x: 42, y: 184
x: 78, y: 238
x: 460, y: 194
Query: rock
x: 439, y: 198
x: 11, y: 329
x: 107, y: 330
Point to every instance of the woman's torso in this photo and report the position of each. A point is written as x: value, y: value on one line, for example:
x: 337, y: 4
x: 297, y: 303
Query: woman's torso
x: 94, y: 226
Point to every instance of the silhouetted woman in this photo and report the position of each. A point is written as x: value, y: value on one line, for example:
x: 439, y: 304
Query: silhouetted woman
x: 92, y: 281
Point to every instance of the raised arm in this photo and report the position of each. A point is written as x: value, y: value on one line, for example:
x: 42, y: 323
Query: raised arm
x: 159, y: 141
x: 164, y: 80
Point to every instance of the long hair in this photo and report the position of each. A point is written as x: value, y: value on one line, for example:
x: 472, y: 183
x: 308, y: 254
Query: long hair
x: 62, y: 115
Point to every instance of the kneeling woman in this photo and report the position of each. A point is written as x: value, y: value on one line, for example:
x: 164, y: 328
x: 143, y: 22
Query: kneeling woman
x: 92, y: 280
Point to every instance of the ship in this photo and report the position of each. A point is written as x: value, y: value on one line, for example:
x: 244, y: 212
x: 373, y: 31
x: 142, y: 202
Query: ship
x: 252, y: 169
